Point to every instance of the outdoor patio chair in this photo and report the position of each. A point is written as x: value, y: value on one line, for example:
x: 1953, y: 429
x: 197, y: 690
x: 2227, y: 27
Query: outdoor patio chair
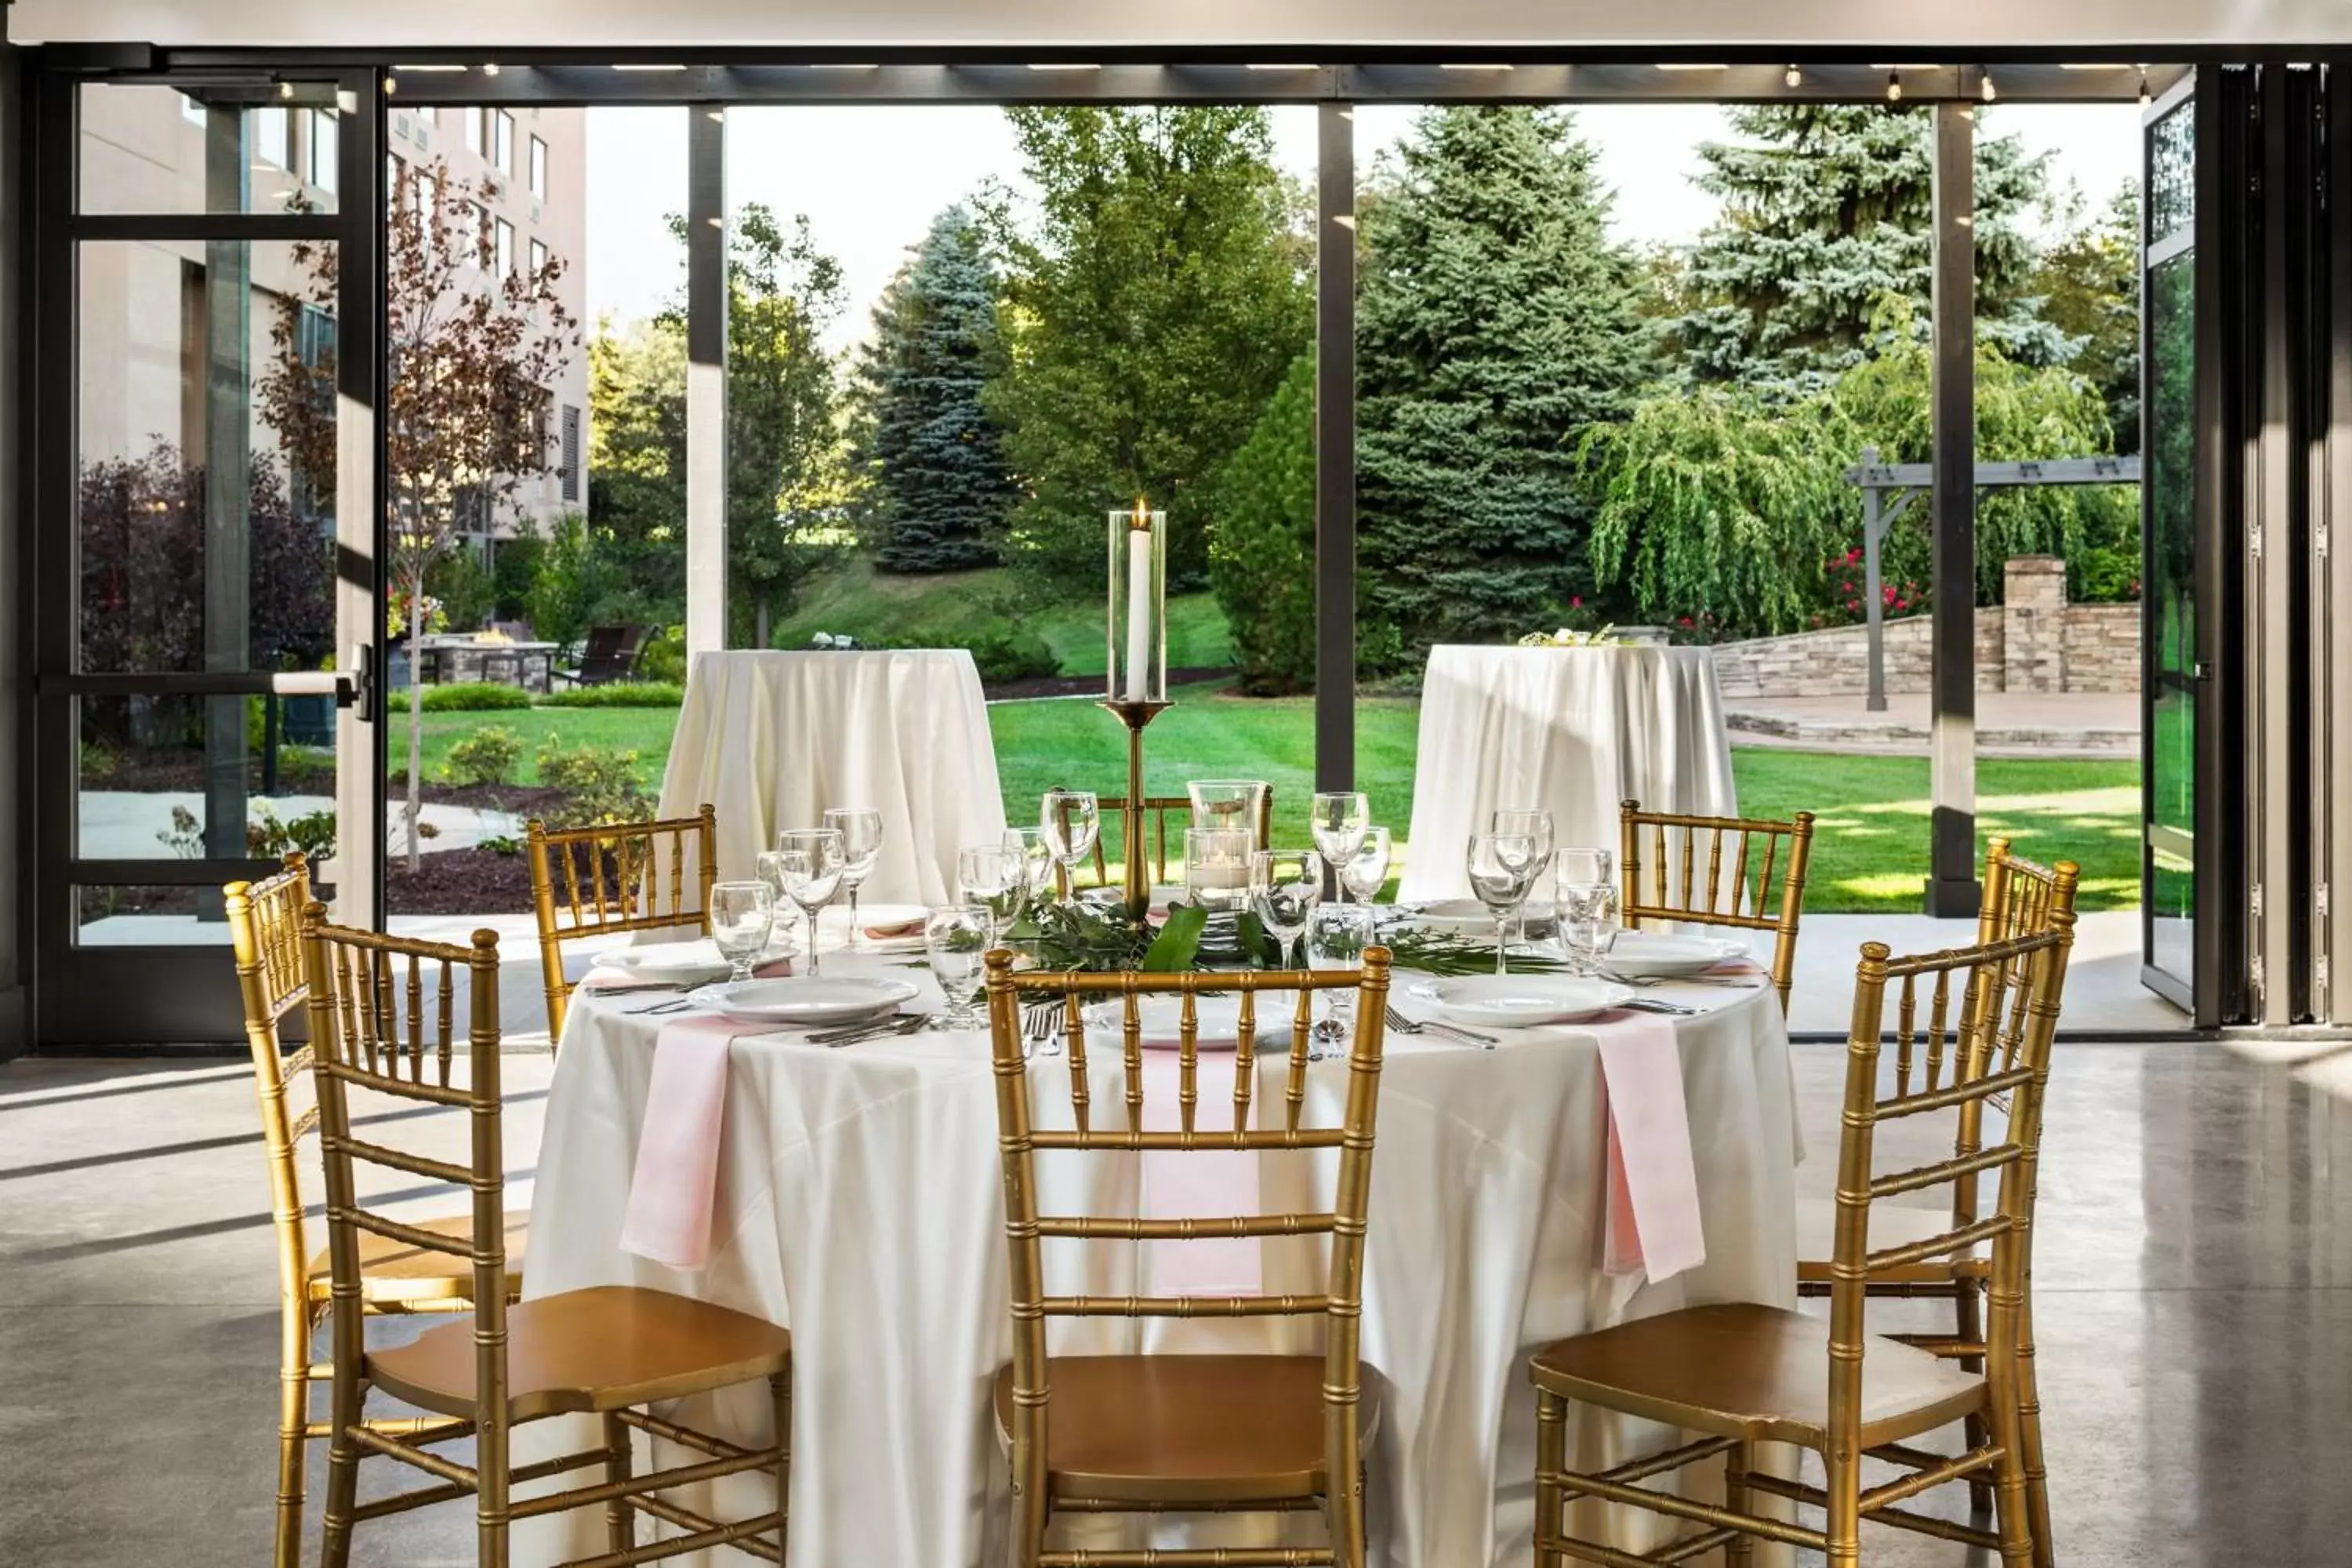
x: 611, y: 655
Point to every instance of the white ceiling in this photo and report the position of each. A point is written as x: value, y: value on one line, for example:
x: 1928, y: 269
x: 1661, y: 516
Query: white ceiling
x: 1937, y: 30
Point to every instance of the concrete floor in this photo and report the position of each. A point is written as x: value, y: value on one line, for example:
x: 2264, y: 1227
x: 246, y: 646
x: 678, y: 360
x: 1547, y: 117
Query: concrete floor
x: 2194, y: 1301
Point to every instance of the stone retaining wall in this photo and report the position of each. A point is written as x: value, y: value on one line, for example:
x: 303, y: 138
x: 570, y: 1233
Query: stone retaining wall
x: 2033, y: 641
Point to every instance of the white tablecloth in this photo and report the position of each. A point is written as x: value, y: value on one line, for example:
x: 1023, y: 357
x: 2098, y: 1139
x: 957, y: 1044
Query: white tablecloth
x: 1576, y: 730
x: 772, y: 740
x: 860, y: 1202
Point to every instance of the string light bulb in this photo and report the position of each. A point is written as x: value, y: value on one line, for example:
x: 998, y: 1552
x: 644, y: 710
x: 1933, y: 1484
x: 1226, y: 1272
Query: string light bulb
x: 2146, y: 97
x: 1893, y: 87
x: 1985, y: 89
x: 1793, y: 75
x: 285, y: 89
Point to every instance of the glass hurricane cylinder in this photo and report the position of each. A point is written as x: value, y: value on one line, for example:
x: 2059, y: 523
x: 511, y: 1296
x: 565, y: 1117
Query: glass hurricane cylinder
x: 1138, y: 662
x: 1228, y: 806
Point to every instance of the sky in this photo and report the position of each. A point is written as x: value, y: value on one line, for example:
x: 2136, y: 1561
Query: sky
x: 871, y: 178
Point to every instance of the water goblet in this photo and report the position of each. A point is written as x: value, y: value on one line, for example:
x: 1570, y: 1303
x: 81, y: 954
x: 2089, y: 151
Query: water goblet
x: 1588, y: 924
x: 1367, y: 871
x: 740, y: 915
x: 1502, y: 867
x: 1036, y: 858
x: 1531, y: 824
x: 957, y: 937
x: 1577, y: 866
x: 1336, y: 935
x: 1284, y: 887
x: 809, y: 862
x: 861, y: 847
x: 1071, y: 821
x: 1339, y: 819
x: 782, y: 943
x: 996, y: 878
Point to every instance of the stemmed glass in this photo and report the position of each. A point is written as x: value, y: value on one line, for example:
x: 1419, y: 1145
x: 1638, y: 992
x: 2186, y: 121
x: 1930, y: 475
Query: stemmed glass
x: 1284, y: 887
x: 1502, y: 867
x: 1532, y: 825
x: 957, y: 937
x: 1367, y: 871
x: 1036, y: 858
x: 1586, y: 885
x: 1339, y: 819
x: 740, y: 916
x: 861, y: 847
x: 809, y: 862
x: 771, y: 866
x: 996, y: 878
x: 1070, y: 822
x: 1336, y: 935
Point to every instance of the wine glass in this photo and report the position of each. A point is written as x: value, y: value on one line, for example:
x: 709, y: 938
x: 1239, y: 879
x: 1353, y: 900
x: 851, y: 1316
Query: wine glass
x: 740, y: 915
x: 957, y: 937
x: 1339, y: 819
x: 771, y: 868
x: 1284, y: 887
x: 1588, y: 924
x: 861, y: 847
x: 809, y: 862
x: 1531, y: 824
x: 1336, y: 935
x: 1070, y: 822
x: 996, y: 878
x: 1036, y: 857
x: 1367, y: 871
x: 1502, y: 868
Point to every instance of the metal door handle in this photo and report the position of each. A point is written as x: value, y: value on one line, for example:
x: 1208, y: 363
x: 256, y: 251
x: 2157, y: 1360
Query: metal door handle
x: 350, y: 688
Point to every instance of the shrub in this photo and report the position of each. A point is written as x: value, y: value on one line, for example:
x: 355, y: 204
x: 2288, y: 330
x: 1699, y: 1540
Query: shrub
x: 464, y: 697
x: 1008, y: 653
x: 618, y: 694
x: 99, y: 762
x: 312, y: 833
x: 600, y: 783
x: 662, y: 661
x: 487, y: 756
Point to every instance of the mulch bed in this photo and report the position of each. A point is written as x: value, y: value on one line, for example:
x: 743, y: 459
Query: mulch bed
x: 458, y: 882
x: 1088, y: 685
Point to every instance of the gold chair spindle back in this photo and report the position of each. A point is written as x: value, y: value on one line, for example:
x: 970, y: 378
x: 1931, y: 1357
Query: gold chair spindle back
x: 265, y: 926
x: 616, y: 877
x: 1759, y: 886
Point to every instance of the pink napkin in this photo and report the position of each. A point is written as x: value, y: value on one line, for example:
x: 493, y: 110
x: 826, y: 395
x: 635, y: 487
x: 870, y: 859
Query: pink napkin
x: 677, y: 1179
x: 1653, y: 1227
x: 1199, y: 1185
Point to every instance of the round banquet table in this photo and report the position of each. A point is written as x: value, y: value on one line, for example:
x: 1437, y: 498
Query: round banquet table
x: 859, y: 1201
x: 772, y: 740
x: 1574, y: 730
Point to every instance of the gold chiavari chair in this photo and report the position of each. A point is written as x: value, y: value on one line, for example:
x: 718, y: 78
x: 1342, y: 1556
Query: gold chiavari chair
x: 2022, y: 898
x: 611, y: 878
x: 264, y: 923
x: 1739, y: 893
x: 607, y: 1350
x: 1165, y: 845
x: 1144, y: 1434
x: 1739, y: 1373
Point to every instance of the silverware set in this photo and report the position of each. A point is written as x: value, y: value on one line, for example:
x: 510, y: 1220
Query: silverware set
x: 1404, y: 1025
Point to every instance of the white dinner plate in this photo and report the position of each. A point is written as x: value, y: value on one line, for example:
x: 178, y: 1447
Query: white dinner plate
x: 1468, y: 917
x: 1517, y: 1001
x: 806, y: 999
x: 671, y: 963
x: 1656, y: 955
x: 1219, y: 1017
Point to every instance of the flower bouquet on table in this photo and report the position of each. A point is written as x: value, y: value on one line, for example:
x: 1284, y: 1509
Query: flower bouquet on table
x: 1569, y: 637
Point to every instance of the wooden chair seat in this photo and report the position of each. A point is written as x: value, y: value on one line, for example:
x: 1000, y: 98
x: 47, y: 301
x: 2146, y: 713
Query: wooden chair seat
x: 606, y: 1348
x: 1890, y: 1226
x: 1174, y: 1428
x: 409, y: 1275
x: 1740, y: 1369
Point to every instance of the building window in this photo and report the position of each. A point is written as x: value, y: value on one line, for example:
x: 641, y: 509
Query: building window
x: 503, y: 255
x: 314, y: 342
x: 570, y: 459
x: 322, y: 156
x: 473, y: 119
x: 538, y: 259
x: 502, y: 142
x: 539, y: 168
x: 428, y: 115
x: 271, y: 132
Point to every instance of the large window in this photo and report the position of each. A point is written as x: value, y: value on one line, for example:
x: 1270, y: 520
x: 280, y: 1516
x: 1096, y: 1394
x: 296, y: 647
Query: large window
x: 539, y: 168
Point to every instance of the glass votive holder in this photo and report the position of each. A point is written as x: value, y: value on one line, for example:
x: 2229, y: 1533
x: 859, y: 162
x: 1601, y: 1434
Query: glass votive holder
x: 1217, y: 868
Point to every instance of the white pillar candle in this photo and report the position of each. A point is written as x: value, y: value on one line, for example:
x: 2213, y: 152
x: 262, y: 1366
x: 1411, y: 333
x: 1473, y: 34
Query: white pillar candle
x: 1139, y: 611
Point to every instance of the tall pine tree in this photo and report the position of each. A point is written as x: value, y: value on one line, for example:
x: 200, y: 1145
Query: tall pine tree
x: 938, y: 487
x: 1494, y: 321
x: 1827, y: 210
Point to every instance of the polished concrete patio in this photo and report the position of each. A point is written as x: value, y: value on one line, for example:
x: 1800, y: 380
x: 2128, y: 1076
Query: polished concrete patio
x: 2194, y: 1278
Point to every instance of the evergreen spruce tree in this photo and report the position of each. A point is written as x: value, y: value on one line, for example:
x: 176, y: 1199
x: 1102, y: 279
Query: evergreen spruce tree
x: 1494, y: 321
x: 1262, y: 547
x: 939, y: 489
x: 1827, y: 210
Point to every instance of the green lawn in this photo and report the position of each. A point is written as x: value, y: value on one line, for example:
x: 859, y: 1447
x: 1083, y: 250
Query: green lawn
x: 1873, y: 813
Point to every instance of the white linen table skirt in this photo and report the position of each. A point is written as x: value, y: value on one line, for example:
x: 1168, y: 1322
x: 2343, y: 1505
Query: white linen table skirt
x: 772, y: 740
x: 1574, y: 730
x: 860, y: 1202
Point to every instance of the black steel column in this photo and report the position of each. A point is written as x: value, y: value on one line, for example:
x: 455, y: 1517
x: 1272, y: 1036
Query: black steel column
x: 2333, y: 523
x: 1334, y: 449
x: 16, y: 697
x: 706, y: 378
x: 227, y: 464
x: 1952, y: 886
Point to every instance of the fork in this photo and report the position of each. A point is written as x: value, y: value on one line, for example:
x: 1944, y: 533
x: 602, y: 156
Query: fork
x: 896, y: 1023
x: 1404, y: 1025
x: 1039, y: 1028
x: 675, y: 1004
